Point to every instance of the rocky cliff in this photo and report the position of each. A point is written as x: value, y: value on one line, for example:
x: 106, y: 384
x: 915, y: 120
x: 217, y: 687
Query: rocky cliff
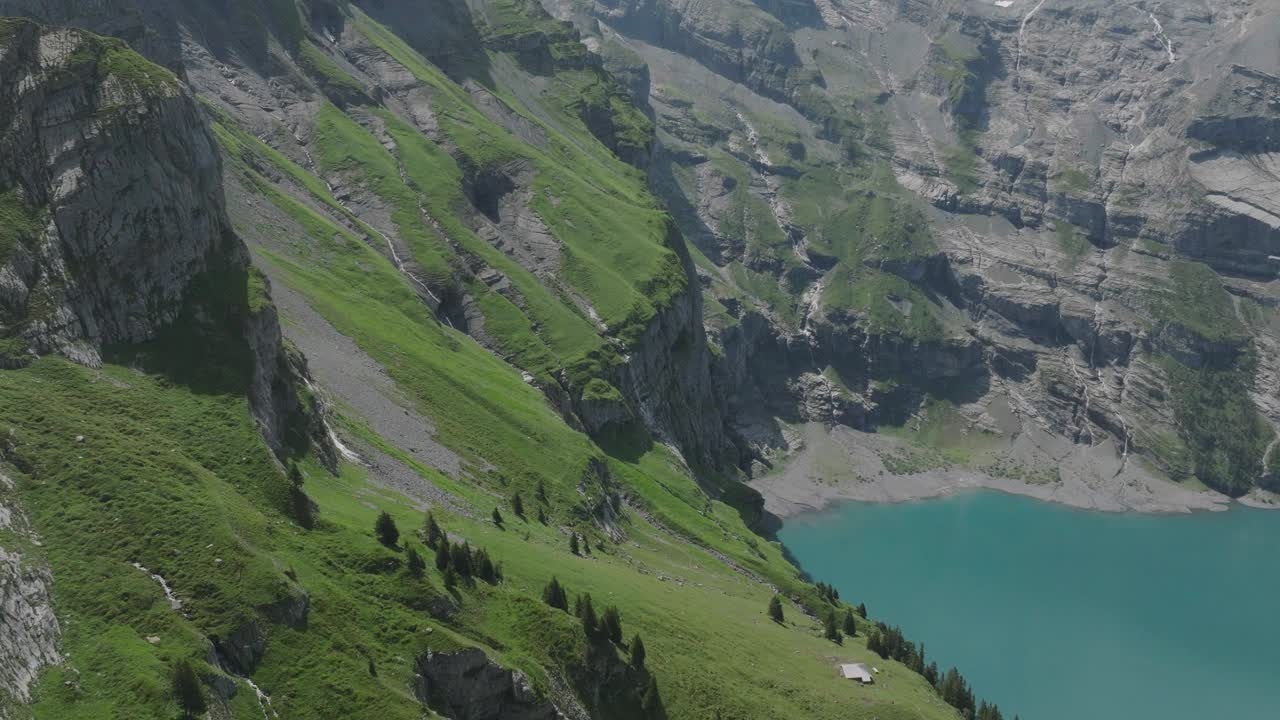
x: 1001, y: 194
x: 113, y: 184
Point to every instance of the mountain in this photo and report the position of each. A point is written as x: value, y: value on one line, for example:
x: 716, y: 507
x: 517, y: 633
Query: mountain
x: 1036, y: 236
x: 588, y: 275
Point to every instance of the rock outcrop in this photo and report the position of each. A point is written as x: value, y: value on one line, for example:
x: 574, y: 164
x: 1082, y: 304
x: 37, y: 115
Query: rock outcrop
x: 114, y: 184
x: 30, y: 634
x: 468, y: 686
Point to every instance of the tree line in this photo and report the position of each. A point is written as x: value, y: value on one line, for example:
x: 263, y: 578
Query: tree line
x: 838, y: 622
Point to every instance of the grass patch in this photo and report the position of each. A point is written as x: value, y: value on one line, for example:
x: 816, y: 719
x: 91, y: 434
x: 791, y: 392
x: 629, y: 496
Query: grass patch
x: 882, y: 303
x: 19, y: 222
x: 1195, y: 300
x: 332, y: 79
x: 602, y: 391
x: 1073, y: 180
x: 1224, y: 433
x: 961, y: 163
x: 101, y: 57
x: 1072, y: 241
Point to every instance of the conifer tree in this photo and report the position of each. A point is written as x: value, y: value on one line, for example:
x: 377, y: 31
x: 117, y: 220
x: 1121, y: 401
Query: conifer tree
x: 484, y: 568
x: 434, y: 533
x: 573, y: 543
x: 586, y: 545
x: 460, y: 559
x: 611, y: 623
x: 415, y: 563
x: 517, y: 505
x: 450, y: 577
x: 542, y: 516
x: 187, y: 691
x: 554, y: 595
x: 637, y: 652
x: 497, y: 517
x: 875, y: 645
x: 830, y: 631
x: 299, y: 503
x: 442, y: 555
x: 590, y: 623
x: 775, y: 609
x: 542, y: 491
x: 862, y: 611
x: 850, y: 627
x: 295, y: 475
x: 386, y: 530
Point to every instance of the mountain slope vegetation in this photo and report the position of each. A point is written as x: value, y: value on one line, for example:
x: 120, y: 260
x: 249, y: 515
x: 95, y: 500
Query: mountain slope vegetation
x: 483, y: 309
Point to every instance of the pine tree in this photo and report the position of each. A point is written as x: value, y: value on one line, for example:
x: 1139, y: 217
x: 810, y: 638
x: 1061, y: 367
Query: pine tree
x: 875, y: 644
x: 611, y: 623
x: 450, y: 577
x: 637, y: 652
x: 775, y: 609
x: 989, y: 711
x: 586, y: 545
x: 554, y: 595
x: 590, y: 623
x: 573, y: 543
x: 386, y: 530
x: 460, y: 559
x: 497, y: 517
x: 830, y: 631
x: 517, y: 505
x: 850, y: 627
x: 299, y: 503
x: 542, y: 492
x: 434, y: 533
x: 187, y: 691
x: 484, y: 568
x: 442, y: 555
x: 862, y: 611
x: 415, y: 563
x: 542, y: 516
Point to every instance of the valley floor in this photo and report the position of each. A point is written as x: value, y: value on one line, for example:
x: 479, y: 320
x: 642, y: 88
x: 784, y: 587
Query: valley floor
x: 839, y: 463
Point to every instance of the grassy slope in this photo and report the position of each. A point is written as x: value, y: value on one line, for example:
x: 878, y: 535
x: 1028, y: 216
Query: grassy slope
x: 1222, y: 435
x: 525, y: 442
x: 142, y: 487
x: 172, y: 474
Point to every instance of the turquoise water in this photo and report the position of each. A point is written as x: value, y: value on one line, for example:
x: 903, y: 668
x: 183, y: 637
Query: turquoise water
x: 1061, y: 614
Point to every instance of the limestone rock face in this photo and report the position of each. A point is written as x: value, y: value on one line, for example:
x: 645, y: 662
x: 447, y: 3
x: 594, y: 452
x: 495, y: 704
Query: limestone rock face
x: 468, y: 686
x: 106, y: 160
x: 30, y: 634
x: 110, y: 159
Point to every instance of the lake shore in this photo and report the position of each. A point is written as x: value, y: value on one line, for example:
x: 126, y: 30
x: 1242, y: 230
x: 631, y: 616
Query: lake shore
x: 839, y: 464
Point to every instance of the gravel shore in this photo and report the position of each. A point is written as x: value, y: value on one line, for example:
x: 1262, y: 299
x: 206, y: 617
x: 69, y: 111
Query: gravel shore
x: 834, y: 464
